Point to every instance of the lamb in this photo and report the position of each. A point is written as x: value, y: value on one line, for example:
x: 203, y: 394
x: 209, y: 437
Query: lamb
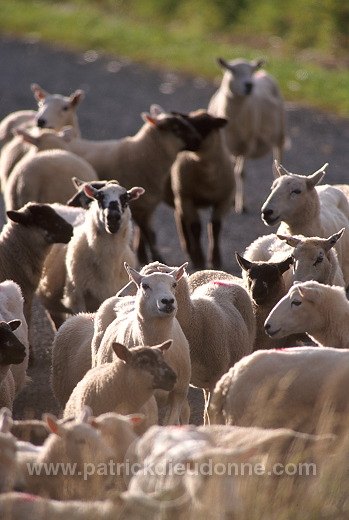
x: 44, y: 139
x: 104, y: 240
x: 252, y: 102
x: 14, y: 323
x: 72, y: 442
x: 126, y: 384
x: 302, y: 208
x: 45, y: 177
x: 29, y: 235
x: 150, y: 321
x: 319, y: 310
x: 145, y: 160
x: 299, y: 388
x: 202, y: 179
x: 266, y: 286
x: 211, y: 304
x: 54, y: 111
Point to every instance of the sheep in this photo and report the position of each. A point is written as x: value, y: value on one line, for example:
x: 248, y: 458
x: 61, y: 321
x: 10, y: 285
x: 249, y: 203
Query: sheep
x: 144, y: 159
x: 8, y: 451
x: 150, y: 321
x: 75, y: 444
x: 252, y: 102
x: 29, y: 235
x: 299, y: 388
x: 11, y: 312
x: 211, y: 304
x: 202, y: 179
x: 318, y: 309
x: 54, y: 111
x: 71, y: 281
x: 45, y: 177
x: 44, y: 139
x: 265, y: 283
x: 302, y: 208
x: 126, y: 384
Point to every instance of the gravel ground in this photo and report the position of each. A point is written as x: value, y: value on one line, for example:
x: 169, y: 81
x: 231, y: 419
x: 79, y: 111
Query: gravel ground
x: 117, y: 92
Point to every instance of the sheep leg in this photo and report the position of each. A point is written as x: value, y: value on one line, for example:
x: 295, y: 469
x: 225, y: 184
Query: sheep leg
x: 147, y: 238
x: 207, y: 402
x: 214, y: 230
x: 176, y: 401
x: 239, y: 182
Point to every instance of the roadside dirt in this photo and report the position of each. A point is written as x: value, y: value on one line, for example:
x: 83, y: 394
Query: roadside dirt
x: 117, y: 91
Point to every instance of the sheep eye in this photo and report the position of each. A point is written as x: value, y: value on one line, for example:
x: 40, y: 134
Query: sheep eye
x: 174, y: 285
x: 65, y: 108
x: 318, y: 260
x: 296, y: 303
x: 145, y: 286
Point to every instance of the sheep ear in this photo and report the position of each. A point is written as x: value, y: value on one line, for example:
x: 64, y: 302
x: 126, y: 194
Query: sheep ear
x: 258, y: 63
x: 290, y: 240
x: 178, y: 273
x: 147, y: 118
x: 223, y: 63
x: 90, y: 191
x: 135, y: 418
x: 77, y: 182
x: 315, y: 178
x: 122, y: 352
x: 165, y: 345
x: 135, y: 192
x: 39, y: 92
x: 156, y: 110
x: 5, y: 420
x: 18, y: 217
x: 280, y: 170
x: 134, y: 275
x: 285, y: 264
x: 332, y: 240
x: 52, y: 423
x: 243, y: 262
x: 308, y: 293
x: 14, y: 324
x: 76, y: 97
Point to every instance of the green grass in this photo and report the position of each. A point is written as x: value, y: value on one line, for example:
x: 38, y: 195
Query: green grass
x: 81, y: 27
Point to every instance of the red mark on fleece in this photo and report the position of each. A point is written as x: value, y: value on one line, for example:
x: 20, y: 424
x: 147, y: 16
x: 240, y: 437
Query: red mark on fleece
x: 27, y: 497
x: 220, y: 282
x: 260, y: 74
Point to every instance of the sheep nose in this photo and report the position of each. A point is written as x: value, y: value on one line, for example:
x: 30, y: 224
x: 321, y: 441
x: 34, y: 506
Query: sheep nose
x: 267, y: 213
x: 167, y: 301
x: 248, y: 87
x: 41, y: 122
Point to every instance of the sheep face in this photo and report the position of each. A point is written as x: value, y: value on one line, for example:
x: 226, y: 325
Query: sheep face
x: 156, y: 292
x: 264, y: 279
x: 289, y: 196
x: 178, y: 127
x: 55, y: 111
x: 12, y: 351
x: 53, y: 227
x: 239, y: 75
x: 113, y: 204
x: 296, y: 312
x: 150, y: 362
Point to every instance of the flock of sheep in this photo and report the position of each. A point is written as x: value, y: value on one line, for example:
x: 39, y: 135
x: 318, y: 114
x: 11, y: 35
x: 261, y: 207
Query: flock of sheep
x: 133, y: 333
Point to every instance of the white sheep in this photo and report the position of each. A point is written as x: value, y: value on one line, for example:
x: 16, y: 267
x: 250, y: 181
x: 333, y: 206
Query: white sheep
x: 150, y: 321
x: 29, y: 235
x: 44, y: 139
x: 45, y: 177
x: 126, y: 384
x: 252, y: 102
x: 302, y: 208
x: 144, y: 160
x: 216, y: 316
x: 11, y: 312
x: 318, y: 309
x: 54, y: 111
x: 75, y: 443
x: 8, y: 450
x: 299, y: 388
x: 202, y: 179
x: 71, y: 280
